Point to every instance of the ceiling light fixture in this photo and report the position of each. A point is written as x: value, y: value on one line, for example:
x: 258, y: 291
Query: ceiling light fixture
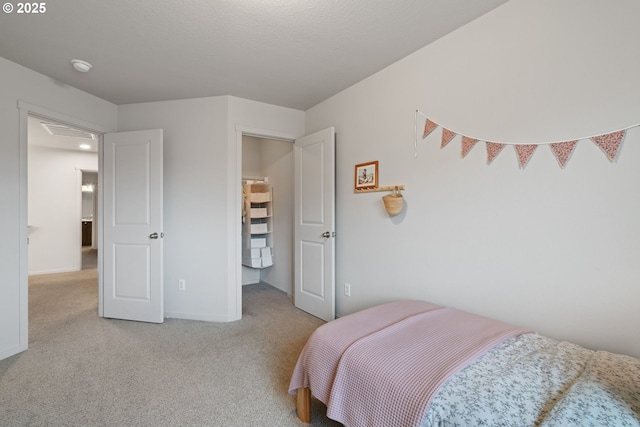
x: 80, y: 65
x: 85, y: 146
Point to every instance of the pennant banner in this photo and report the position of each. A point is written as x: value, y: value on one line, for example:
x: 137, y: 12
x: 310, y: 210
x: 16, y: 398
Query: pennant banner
x: 467, y: 145
x: 429, y: 127
x: 493, y: 149
x: 524, y: 153
x: 563, y: 151
x: 447, y: 136
x: 609, y: 144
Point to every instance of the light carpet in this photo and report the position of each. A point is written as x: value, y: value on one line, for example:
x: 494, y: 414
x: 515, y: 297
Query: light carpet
x: 83, y: 370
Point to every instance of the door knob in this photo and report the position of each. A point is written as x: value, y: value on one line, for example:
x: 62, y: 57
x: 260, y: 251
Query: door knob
x: 153, y: 236
x: 326, y: 234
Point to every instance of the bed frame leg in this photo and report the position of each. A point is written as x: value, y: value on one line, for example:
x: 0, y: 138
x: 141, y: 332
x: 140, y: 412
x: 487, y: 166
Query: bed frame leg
x: 303, y: 404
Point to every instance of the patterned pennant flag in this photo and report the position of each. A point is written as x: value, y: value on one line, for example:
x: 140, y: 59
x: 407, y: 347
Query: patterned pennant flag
x: 447, y: 136
x: 563, y: 151
x: 610, y: 143
x: 524, y: 153
x: 429, y: 126
x: 467, y: 144
x: 493, y: 149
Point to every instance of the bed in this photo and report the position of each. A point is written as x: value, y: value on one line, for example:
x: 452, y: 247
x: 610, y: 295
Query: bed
x: 414, y: 363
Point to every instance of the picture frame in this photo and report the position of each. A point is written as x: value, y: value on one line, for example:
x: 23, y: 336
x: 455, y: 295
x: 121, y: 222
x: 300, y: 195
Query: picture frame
x: 366, y: 176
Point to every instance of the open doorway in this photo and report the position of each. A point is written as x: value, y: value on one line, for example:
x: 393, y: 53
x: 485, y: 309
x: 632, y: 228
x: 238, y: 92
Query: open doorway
x: 28, y: 227
x: 271, y: 160
x: 62, y: 182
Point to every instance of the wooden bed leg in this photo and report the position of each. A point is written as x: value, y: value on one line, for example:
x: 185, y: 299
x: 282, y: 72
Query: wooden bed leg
x: 303, y: 404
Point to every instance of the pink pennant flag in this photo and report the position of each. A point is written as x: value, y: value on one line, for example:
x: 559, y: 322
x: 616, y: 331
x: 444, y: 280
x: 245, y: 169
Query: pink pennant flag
x: 524, y: 153
x: 610, y: 143
x: 493, y: 149
x: 429, y: 127
x: 467, y: 145
x: 447, y: 136
x: 563, y: 151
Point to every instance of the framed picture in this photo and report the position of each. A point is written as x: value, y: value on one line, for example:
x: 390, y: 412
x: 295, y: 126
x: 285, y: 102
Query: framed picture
x: 366, y: 175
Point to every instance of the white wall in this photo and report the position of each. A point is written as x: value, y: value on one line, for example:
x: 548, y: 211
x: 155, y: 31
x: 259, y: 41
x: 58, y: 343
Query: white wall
x: 194, y: 200
x: 55, y: 207
x: 551, y: 249
x: 251, y: 157
x: 87, y: 205
x: 21, y: 84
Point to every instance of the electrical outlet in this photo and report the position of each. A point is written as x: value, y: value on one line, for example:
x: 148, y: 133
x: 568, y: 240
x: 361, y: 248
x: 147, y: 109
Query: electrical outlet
x: 347, y: 289
x: 182, y: 284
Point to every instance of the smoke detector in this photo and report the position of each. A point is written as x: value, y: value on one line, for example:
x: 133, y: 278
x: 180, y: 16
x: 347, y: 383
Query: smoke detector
x: 80, y: 65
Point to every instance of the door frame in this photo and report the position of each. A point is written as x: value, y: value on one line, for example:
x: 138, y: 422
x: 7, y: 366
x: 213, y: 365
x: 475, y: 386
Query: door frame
x: 234, y: 211
x: 25, y: 110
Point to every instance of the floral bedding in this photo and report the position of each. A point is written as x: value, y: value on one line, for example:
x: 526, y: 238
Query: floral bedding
x: 533, y: 380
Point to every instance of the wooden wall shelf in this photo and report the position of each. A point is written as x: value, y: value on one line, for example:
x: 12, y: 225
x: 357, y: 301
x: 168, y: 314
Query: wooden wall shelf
x: 380, y: 189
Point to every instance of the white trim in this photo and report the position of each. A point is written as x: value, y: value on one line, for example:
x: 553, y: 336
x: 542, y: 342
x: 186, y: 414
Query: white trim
x: 34, y: 110
x: 234, y: 241
x: 99, y: 225
x: 268, y: 134
x: 12, y: 351
x: 234, y: 212
x: 78, y: 190
x: 62, y: 270
x: 23, y: 233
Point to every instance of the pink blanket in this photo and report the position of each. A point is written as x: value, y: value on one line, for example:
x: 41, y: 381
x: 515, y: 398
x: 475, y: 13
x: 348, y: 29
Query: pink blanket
x: 388, y: 362
x: 318, y: 362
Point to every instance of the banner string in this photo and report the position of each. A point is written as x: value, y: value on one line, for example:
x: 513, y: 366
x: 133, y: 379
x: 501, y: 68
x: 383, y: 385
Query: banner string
x: 452, y: 133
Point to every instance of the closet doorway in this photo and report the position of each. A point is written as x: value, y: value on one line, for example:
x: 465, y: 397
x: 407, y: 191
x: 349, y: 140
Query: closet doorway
x: 272, y: 160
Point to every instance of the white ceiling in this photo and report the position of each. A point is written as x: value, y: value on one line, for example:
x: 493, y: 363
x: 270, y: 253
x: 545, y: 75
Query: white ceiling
x: 292, y: 53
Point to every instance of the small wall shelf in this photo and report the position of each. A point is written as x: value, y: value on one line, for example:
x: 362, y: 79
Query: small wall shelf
x: 379, y: 189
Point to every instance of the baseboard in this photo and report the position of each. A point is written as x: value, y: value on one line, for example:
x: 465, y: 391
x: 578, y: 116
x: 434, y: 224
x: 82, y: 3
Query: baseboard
x: 12, y: 351
x: 275, y: 288
x: 195, y: 316
x: 64, y: 270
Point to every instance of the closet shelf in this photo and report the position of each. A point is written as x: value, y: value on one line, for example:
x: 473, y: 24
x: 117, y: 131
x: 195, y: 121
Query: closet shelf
x: 257, y: 225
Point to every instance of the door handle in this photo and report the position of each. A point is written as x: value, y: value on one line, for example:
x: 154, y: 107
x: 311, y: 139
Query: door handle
x: 326, y: 234
x: 153, y: 236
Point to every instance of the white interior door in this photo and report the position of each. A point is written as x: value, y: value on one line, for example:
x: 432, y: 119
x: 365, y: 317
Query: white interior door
x: 132, y: 226
x: 314, y: 240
